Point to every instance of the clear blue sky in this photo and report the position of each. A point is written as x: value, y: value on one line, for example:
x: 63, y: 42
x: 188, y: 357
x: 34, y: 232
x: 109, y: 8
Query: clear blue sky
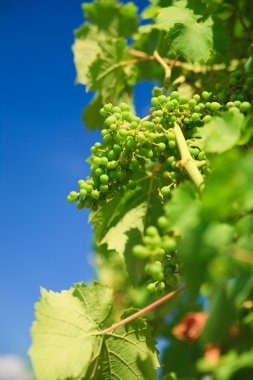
x: 44, y: 241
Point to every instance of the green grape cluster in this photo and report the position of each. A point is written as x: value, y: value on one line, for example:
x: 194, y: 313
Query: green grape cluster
x: 131, y: 145
x: 159, y: 249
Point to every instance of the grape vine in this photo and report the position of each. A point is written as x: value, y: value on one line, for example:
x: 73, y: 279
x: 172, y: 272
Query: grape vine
x: 170, y: 198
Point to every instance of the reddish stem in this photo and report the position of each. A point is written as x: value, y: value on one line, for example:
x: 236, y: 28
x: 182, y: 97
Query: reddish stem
x: 142, y: 311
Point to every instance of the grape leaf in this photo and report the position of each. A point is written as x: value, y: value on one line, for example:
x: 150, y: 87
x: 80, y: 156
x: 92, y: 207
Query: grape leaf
x: 68, y: 343
x: 222, y: 133
x: 111, y: 17
x: 85, y: 49
x: 109, y: 74
x: 188, y: 36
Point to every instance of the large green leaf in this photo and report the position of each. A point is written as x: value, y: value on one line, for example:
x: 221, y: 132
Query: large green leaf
x: 189, y: 36
x: 68, y: 342
x: 222, y: 133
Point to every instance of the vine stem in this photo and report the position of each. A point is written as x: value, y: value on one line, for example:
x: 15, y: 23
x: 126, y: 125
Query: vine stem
x: 142, y: 311
x: 162, y: 62
x: 186, y: 159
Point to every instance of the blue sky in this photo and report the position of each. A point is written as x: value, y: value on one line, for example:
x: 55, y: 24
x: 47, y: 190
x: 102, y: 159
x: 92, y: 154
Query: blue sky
x: 44, y: 241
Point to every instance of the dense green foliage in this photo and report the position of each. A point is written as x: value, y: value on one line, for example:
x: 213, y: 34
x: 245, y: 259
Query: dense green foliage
x: 170, y: 198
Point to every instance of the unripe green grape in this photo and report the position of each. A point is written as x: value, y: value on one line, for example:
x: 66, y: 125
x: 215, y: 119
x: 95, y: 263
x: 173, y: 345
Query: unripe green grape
x: 155, y: 101
x: 123, y: 132
x: 161, y: 146
x: 71, y: 197
x: 183, y: 99
x: 83, y: 192
x: 89, y: 188
x: 104, y: 179
x: 157, y: 91
x: 160, y: 287
x: 97, y: 160
x: 195, y: 117
x: 166, y: 174
x: 90, y: 181
x: 171, y: 136
x: 104, y: 132
x: 245, y: 106
x: 117, y: 148
x: 170, y: 105
x: 157, y: 275
x: 186, y: 121
x: 95, y: 194
x: 194, y: 152
x: 118, y: 115
x: 215, y: 106
x: 170, y: 160
x: 99, y: 172
x: 151, y: 231
x: 206, y: 95
x: 113, y: 127
x: 124, y: 106
x: 174, y: 95
x: 162, y: 222
x: 108, y: 140
x: 112, y: 165
x: 172, y: 144
x: 110, y: 120
x: 140, y: 251
x: 116, y: 109
x: 151, y: 287
x: 197, y: 108
x: 172, y: 118
x: 133, y: 125
x: 207, y: 119
x: 237, y: 103
x: 111, y: 155
x: 108, y: 107
x: 103, y: 161
x: 162, y: 98
x: 103, y: 188
x: 196, y: 97
x: 81, y: 183
x: 130, y: 143
x: 175, y: 102
x: 80, y: 204
x: 169, y: 244
x: 201, y: 156
x: 165, y: 190
x: 192, y: 103
x: 74, y: 195
x: 159, y: 254
x: 103, y: 112
x: 230, y: 104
